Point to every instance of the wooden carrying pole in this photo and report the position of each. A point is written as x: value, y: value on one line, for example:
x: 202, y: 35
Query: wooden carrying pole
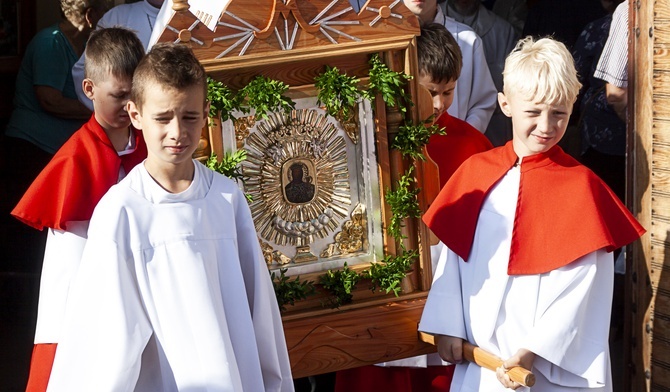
x: 485, y: 359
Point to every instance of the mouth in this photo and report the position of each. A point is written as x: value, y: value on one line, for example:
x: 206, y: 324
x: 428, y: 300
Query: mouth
x: 542, y: 138
x: 176, y: 149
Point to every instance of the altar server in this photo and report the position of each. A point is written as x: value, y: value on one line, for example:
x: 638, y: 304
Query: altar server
x: 172, y: 293
x: 528, y: 271
x: 64, y: 194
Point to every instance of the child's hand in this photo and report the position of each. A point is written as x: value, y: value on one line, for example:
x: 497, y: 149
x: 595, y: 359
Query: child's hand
x: 523, y: 358
x: 450, y: 348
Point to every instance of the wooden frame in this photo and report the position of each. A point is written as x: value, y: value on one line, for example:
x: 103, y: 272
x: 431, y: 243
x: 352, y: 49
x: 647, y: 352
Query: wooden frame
x: 375, y: 327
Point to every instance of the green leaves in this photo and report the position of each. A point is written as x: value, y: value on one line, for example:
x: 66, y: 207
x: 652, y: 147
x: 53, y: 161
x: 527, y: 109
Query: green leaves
x: 404, y: 204
x: 229, y: 165
x: 341, y: 284
x: 389, y: 84
x: 222, y: 99
x: 411, y: 138
x: 289, y: 290
x: 265, y: 95
x: 337, y: 92
x: 389, y: 273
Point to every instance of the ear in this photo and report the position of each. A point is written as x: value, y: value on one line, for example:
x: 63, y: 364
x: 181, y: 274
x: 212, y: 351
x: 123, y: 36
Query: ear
x: 88, y: 86
x: 91, y: 17
x: 134, y: 114
x: 206, y: 114
x: 504, y: 105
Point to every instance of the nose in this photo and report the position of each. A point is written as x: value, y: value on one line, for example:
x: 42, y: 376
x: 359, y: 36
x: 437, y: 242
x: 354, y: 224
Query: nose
x: 438, y: 104
x: 544, y: 123
x: 175, y: 130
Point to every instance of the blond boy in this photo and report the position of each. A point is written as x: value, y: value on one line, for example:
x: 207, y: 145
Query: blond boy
x: 527, y: 273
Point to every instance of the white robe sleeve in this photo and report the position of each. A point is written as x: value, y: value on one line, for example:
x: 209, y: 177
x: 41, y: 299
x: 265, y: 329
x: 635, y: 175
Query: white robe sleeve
x: 443, y: 312
x: 483, y: 94
x: 267, y: 323
x: 106, y: 325
x: 62, y: 255
x: 572, y: 322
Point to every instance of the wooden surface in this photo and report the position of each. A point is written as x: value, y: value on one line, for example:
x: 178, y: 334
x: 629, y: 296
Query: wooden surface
x: 354, y: 337
x: 648, y: 305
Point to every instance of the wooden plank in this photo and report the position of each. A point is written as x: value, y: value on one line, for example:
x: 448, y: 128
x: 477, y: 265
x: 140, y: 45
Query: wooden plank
x: 661, y: 104
x: 354, y: 338
x: 642, y: 110
x: 661, y: 10
x: 661, y: 128
x: 660, y: 178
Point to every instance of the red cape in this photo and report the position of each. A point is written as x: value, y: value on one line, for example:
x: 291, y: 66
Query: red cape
x: 77, y: 177
x: 564, y: 211
x: 460, y: 142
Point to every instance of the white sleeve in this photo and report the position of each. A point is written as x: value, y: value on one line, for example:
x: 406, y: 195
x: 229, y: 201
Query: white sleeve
x: 483, y: 94
x: 572, y: 321
x: 78, y: 78
x: 443, y: 312
x: 106, y: 326
x: 613, y: 63
x: 62, y: 255
x: 265, y: 315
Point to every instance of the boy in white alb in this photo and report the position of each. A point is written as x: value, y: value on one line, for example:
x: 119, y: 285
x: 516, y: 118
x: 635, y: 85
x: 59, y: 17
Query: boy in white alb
x: 527, y: 271
x: 173, y: 293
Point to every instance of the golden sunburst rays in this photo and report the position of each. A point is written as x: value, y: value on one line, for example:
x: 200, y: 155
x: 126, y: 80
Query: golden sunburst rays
x: 298, y: 177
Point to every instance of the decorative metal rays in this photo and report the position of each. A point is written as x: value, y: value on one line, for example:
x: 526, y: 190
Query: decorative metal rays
x: 298, y: 178
x: 291, y: 22
x: 283, y: 25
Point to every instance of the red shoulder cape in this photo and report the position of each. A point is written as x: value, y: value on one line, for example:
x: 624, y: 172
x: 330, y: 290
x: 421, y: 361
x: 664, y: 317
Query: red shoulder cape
x: 564, y: 211
x: 77, y: 177
x: 460, y: 142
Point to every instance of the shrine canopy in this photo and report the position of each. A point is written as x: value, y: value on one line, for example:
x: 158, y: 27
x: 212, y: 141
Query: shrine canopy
x: 236, y: 31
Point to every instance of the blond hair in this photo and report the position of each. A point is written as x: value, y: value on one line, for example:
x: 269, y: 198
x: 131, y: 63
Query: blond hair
x: 75, y: 10
x: 543, y: 71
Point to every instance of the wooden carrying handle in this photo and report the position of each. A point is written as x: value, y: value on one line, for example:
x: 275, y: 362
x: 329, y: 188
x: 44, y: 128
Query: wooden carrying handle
x: 485, y: 359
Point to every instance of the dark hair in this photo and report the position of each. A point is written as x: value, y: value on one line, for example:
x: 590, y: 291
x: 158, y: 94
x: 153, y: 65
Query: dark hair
x: 438, y: 53
x: 169, y: 65
x: 116, y: 50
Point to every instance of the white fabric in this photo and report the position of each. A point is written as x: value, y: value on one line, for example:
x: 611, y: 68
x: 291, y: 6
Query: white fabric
x: 172, y: 295
x: 613, y: 63
x: 499, y: 39
x: 139, y: 17
x: 61, y: 260
x: 475, y: 96
x: 562, y: 316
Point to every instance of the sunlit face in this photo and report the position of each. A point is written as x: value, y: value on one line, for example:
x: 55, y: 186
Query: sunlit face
x: 110, y: 96
x: 171, y: 122
x: 442, y: 93
x: 424, y: 9
x: 536, y: 127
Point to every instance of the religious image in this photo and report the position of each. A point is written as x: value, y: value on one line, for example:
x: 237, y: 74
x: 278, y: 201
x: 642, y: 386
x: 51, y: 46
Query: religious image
x: 300, y: 188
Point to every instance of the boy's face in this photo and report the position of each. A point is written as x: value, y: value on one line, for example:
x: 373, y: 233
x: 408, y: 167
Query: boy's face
x: 442, y: 93
x: 424, y: 9
x: 536, y: 127
x: 171, y: 122
x: 109, y: 97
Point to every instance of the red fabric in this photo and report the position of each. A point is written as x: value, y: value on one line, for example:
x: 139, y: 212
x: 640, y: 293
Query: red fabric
x: 395, y: 379
x: 567, y: 211
x: 77, y: 177
x: 40, y: 367
x: 451, y: 150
